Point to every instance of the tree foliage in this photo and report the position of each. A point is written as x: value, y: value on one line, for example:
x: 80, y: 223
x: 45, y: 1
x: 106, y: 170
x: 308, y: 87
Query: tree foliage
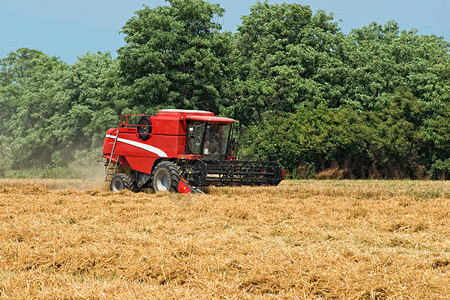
x: 50, y: 110
x: 382, y: 59
x: 388, y: 90
x: 284, y: 56
x: 175, y: 56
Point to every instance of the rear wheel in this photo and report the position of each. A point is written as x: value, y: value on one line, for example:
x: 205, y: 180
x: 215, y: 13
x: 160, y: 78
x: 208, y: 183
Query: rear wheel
x: 121, y: 182
x: 166, y: 177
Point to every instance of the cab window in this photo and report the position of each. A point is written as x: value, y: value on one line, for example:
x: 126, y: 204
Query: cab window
x: 195, y: 135
x: 216, y: 141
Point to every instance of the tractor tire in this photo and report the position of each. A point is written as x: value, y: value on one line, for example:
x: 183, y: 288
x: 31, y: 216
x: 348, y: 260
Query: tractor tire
x: 166, y: 177
x: 121, y: 182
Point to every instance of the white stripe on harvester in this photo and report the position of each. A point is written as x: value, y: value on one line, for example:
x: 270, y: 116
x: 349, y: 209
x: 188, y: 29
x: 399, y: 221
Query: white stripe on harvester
x: 146, y: 147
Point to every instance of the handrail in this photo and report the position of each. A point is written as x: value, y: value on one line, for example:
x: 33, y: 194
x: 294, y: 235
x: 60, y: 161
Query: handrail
x: 112, y: 153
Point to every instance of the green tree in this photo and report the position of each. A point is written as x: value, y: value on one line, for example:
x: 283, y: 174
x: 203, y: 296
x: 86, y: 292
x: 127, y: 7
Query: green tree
x: 51, y: 110
x: 312, y: 137
x: 395, y: 146
x: 382, y: 59
x: 91, y: 88
x: 397, y: 141
x: 175, y: 56
x: 434, y: 133
x: 31, y: 97
x: 286, y: 56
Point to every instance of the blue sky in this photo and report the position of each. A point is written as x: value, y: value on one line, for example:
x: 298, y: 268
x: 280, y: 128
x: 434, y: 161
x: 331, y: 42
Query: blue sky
x: 68, y: 29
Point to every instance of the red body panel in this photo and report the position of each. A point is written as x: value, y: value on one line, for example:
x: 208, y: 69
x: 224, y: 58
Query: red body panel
x: 167, y: 139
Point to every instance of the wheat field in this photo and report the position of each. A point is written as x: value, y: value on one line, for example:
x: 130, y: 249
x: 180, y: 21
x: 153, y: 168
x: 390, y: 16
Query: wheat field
x: 74, y: 239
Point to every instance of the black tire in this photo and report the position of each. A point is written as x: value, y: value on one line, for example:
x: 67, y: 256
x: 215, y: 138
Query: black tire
x: 144, y: 128
x: 121, y: 182
x: 166, y: 177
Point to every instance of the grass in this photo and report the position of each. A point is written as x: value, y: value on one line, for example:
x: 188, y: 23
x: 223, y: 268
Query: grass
x: 302, y: 239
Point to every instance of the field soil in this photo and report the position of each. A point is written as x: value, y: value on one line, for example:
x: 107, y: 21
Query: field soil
x: 301, y: 240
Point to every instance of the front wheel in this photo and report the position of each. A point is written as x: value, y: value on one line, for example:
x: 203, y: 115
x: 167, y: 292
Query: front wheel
x: 166, y: 177
x: 121, y: 182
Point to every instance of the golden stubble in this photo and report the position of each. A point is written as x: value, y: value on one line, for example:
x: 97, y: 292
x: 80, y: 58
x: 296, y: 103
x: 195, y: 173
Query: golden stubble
x: 302, y: 239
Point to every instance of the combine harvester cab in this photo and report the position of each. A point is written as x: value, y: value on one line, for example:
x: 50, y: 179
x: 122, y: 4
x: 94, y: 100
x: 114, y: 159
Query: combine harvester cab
x: 179, y: 151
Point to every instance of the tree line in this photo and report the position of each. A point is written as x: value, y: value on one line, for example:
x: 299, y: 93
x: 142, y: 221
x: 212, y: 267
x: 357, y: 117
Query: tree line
x: 374, y: 103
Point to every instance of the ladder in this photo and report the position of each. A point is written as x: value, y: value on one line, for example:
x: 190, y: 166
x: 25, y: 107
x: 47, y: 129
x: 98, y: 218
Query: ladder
x: 110, y: 173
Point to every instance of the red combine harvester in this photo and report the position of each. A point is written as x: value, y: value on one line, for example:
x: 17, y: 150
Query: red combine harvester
x: 179, y: 151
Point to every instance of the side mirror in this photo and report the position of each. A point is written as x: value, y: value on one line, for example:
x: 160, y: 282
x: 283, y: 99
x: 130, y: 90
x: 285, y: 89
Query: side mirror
x: 233, y: 143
